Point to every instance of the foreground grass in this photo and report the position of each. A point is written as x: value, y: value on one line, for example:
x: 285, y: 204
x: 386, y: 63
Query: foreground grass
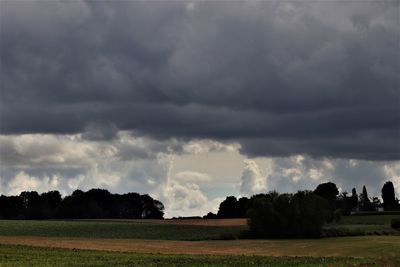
x: 21, y: 256
x: 112, y: 229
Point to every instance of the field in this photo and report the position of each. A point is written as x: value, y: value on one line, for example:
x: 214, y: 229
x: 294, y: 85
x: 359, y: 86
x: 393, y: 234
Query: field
x: 189, y: 243
x: 362, y: 225
x: 18, y: 256
x: 165, y: 230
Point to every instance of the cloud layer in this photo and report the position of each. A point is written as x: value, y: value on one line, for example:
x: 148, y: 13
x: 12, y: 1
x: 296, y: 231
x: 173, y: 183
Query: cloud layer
x: 281, y: 78
x: 171, y: 170
x: 171, y: 98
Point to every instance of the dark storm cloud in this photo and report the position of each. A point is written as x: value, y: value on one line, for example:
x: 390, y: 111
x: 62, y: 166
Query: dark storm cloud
x: 320, y: 78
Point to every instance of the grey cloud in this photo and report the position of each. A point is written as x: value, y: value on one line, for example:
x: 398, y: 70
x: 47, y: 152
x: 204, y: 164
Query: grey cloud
x: 98, y: 131
x: 282, y: 78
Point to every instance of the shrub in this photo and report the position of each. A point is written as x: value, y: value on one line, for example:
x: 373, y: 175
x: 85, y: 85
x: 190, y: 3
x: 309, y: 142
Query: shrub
x: 395, y: 223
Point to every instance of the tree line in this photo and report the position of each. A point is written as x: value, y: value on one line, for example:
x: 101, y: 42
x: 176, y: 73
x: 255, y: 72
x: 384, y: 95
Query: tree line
x: 344, y: 203
x: 304, y: 213
x: 94, y: 203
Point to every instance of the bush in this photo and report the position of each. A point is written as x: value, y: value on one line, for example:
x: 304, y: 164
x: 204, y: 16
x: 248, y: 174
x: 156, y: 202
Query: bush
x: 395, y: 223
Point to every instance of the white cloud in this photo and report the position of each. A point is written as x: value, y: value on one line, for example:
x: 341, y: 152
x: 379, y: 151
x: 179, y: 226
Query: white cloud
x: 187, y: 199
x: 252, y: 181
x: 191, y: 176
x: 74, y: 182
x: 206, y: 146
x: 24, y: 182
x: 392, y: 172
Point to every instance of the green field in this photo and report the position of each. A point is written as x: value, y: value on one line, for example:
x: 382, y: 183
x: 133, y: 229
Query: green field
x: 348, y: 226
x: 362, y: 225
x: 112, y: 229
x: 19, y: 256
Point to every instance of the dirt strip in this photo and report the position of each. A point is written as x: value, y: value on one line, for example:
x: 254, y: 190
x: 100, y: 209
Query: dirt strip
x: 352, y: 246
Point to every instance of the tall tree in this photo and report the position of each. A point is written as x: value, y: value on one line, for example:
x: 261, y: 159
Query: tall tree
x: 388, y: 196
x: 354, y: 199
x: 328, y: 191
x: 32, y: 205
x: 50, y: 203
x: 287, y: 215
x: 365, y: 202
x: 242, y: 207
x: 228, y: 208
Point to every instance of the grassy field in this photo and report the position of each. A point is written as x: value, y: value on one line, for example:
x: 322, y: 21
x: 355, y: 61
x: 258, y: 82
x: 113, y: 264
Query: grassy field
x: 115, y: 229
x: 179, y: 229
x: 20, y: 256
x: 362, y: 225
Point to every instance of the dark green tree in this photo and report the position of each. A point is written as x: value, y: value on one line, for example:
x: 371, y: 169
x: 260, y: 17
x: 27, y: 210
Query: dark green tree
x: 32, y: 205
x: 388, y: 196
x: 50, y: 203
x: 242, y: 207
x: 287, y: 215
x: 364, y: 201
x: 328, y: 191
x: 228, y: 208
x: 354, y: 199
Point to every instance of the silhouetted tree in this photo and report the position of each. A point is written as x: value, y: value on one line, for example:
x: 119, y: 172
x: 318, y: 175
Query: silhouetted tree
x: 50, y: 204
x: 11, y: 207
x: 152, y: 209
x: 328, y: 191
x: 364, y: 201
x: 242, y: 205
x: 32, y: 205
x: 343, y: 204
x: 228, y: 208
x: 286, y: 215
x: 133, y: 206
x: 95, y: 203
x: 354, y: 199
x: 388, y: 196
x: 210, y: 215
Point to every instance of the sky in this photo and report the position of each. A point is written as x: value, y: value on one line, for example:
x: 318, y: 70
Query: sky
x: 192, y: 101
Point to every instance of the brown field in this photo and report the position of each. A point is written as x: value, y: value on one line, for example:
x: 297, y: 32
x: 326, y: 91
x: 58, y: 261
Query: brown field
x: 203, y: 222
x: 365, y: 246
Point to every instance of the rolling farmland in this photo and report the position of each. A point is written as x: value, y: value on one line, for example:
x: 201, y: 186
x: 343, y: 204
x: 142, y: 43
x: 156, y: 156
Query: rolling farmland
x: 185, y: 242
